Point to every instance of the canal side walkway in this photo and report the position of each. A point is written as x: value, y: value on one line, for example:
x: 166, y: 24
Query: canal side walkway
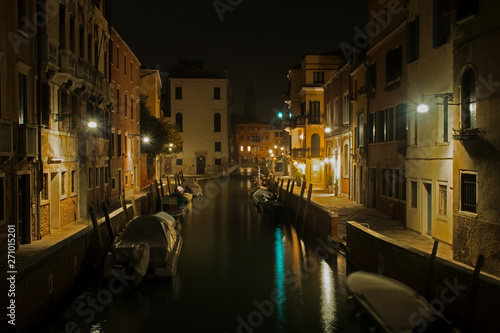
x: 375, y: 220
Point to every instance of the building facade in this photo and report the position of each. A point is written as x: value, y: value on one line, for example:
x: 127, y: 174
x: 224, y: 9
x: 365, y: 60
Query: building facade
x: 476, y: 175
x: 338, y: 129
x: 125, y: 115
x: 305, y: 100
x: 252, y: 142
x: 199, y: 105
x: 387, y: 111
x: 19, y: 124
x: 429, y: 155
x: 360, y: 92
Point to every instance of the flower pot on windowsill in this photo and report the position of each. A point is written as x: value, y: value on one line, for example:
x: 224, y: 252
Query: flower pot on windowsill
x: 336, y: 190
x: 330, y: 189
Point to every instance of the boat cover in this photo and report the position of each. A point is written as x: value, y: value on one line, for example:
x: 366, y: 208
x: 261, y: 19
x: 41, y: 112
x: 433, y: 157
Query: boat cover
x: 262, y: 195
x: 192, y: 184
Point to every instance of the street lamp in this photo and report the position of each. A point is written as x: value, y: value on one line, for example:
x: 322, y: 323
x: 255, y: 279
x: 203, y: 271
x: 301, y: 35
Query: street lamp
x: 424, y: 107
x: 328, y: 130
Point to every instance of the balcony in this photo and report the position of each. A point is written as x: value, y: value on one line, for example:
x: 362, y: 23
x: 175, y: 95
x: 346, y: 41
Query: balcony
x: 314, y: 119
x: 49, y: 54
x: 24, y: 139
x: 463, y: 134
x: 6, y: 148
x: 67, y: 62
x: 298, y: 121
x: 299, y: 153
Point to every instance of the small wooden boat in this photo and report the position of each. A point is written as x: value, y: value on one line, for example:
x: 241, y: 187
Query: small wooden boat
x: 393, y: 306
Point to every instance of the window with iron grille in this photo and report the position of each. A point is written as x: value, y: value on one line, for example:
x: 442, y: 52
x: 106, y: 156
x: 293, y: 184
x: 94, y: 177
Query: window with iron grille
x: 178, y: 161
x: 443, y: 200
x: 468, y: 192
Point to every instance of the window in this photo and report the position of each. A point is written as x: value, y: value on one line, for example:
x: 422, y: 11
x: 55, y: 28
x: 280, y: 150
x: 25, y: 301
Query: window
x: 217, y: 122
x: 23, y: 98
x: 441, y: 25
x: 413, y: 194
x: 63, y: 184
x: 468, y: 192
x: 218, y: 146
x: 314, y: 107
x: 466, y: 8
x: 401, y: 122
x: 382, y: 126
x: 132, y: 108
x: 361, y: 121
x: 216, y: 92
x: 241, y: 148
x: 468, y: 99
x: 218, y: 161
x: 125, y: 64
x: 91, y: 183
x: 346, y: 160
x: 96, y: 177
x: 21, y: 15
x: 319, y: 77
x: 329, y: 115
x: 393, y: 65
x: 126, y: 180
x: 315, y: 145
x: 178, y: 121
x: 131, y: 71
x: 111, y: 46
x: 113, y: 183
x: 412, y: 37
x: 118, y: 100
x: 73, y: 181
x: 89, y: 47
x: 119, y: 145
x: 372, y: 127
x: 443, y: 200
x: 178, y: 92
x: 390, y: 124
x: 2, y: 198
x: 112, y: 144
x: 45, y: 187
x: 403, y: 185
x: 397, y: 180
x: 178, y: 161
x: 117, y: 57
x: 72, y: 36
x: 345, y: 107
x: 125, y: 104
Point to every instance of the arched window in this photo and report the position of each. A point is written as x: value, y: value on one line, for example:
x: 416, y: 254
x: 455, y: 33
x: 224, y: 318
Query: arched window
x: 178, y: 121
x: 217, y: 122
x: 346, y: 160
x: 468, y: 99
x: 315, y: 145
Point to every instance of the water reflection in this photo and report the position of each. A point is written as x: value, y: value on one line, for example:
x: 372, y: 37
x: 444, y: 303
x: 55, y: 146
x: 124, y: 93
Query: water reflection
x: 280, y: 278
x: 328, y: 308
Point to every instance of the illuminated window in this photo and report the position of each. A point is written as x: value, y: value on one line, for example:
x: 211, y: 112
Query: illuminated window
x: 241, y: 148
x: 249, y: 148
x: 443, y: 200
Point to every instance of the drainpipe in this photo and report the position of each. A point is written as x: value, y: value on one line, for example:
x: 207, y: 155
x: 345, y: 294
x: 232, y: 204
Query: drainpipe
x: 39, y: 164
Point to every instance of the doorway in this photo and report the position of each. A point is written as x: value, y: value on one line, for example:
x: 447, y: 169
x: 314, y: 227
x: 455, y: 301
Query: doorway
x: 427, y: 209
x: 200, y: 165
x: 55, y: 221
x: 24, y: 209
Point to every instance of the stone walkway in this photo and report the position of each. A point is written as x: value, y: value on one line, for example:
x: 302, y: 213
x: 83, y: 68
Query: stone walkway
x: 382, y: 223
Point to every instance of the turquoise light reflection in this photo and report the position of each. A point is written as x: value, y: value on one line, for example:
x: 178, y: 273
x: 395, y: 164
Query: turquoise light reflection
x: 328, y: 306
x: 280, y: 277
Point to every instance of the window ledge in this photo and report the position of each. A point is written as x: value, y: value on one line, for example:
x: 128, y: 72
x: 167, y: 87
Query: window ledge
x: 468, y: 214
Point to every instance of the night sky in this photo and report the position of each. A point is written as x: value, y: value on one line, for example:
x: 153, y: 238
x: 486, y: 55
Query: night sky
x: 258, y: 41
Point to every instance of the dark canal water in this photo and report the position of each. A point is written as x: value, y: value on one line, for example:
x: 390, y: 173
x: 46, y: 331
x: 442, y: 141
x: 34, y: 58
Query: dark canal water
x: 237, y: 273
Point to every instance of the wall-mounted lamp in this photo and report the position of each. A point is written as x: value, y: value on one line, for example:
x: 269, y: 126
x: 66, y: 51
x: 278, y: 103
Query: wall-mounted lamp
x: 447, y: 98
x: 328, y: 130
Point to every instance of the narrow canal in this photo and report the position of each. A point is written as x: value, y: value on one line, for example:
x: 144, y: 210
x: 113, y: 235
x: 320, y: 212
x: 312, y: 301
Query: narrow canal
x: 237, y: 273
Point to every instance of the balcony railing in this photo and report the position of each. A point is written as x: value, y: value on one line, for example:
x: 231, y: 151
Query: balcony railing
x: 67, y: 61
x: 49, y: 53
x: 25, y: 139
x: 299, y: 153
x: 6, y: 147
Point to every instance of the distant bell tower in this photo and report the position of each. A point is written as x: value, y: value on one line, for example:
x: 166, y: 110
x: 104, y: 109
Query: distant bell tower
x: 249, y: 104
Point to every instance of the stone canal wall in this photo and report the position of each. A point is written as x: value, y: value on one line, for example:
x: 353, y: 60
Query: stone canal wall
x: 312, y: 215
x: 450, y: 282
x: 45, y: 278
